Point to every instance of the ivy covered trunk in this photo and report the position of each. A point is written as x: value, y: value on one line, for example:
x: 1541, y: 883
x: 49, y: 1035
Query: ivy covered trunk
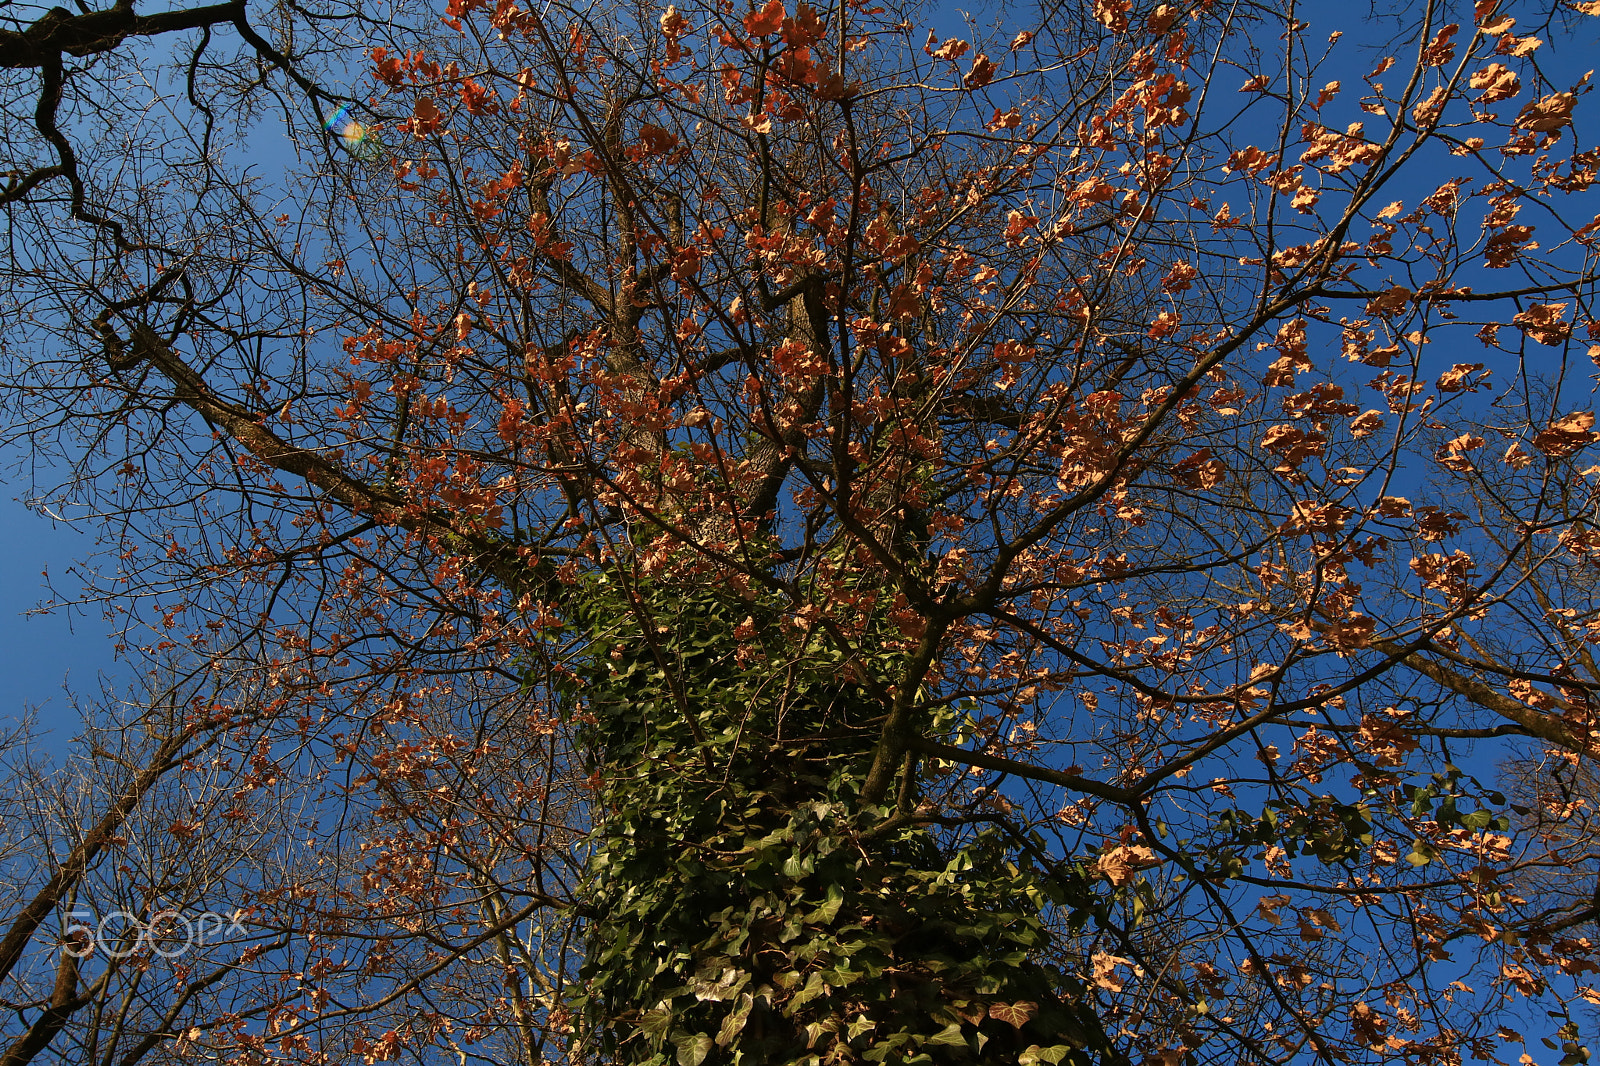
x: 744, y: 906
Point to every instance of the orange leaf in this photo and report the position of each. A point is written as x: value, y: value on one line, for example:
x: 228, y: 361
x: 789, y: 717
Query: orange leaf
x: 981, y: 74
x: 1113, y: 14
x: 1545, y: 323
x: 766, y: 21
x: 657, y: 140
x: 1567, y: 435
x: 1547, y: 115
x: 1496, y: 82
x: 425, y: 117
x: 804, y: 29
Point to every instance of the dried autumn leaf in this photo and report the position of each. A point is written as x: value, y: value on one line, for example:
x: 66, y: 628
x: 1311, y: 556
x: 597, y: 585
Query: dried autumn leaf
x: 1201, y: 470
x: 1104, y: 970
x: 1092, y: 191
x: 1008, y: 120
x: 1294, y: 444
x: 1524, y: 980
x: 766, y: 21
x: 981, y: 74
x: 1018, y: 223
x: 656, y: 140
x: 1545, y: 323
x: 1113, y: 14
x: 1390, y: 301
x: 425, y: 117
x: 1366, y: 424
x: 1427, y: 110
x: 1495, y: 82
x: 1121, y: 863
x: 1567, y: 435
x: 1305, y: 200
x: 805, y: 28
x: 673, y: 24
x: 1249, y: 160
x: 1440, y: 50
x: 1547, y: 114
x: 833, y: 87
x: 1458, y: 377
x: 1452, y: 456
x: 1521, y: 47
x: 1268, y: 907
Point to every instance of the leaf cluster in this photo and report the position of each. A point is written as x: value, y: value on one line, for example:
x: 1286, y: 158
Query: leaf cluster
x: 744, y: 904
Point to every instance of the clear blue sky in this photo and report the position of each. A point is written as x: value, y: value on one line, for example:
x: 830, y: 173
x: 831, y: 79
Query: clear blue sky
x: 39, y: 652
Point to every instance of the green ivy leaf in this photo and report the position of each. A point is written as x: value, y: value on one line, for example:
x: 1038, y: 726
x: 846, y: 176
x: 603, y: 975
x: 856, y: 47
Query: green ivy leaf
x: 655, y: 1023
x: 734, y: 1023
x: 825, y: 914
x: 862, y: 1024
x: 724, y: 987
x: 1421, y: 853
x: 1016, y: 1014
x: 682, y: 930
x: 814, y: 988
x: 692, y: 1048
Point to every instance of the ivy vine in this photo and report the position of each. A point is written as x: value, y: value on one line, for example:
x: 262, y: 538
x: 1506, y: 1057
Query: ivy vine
x: 743, y: 904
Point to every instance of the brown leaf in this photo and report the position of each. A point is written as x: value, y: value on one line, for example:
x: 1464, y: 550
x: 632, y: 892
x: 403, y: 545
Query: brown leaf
x: 1545, y: 323
x: 657, y: 140
x: 1104, y: 972
x: 1566, y: 435
x: 1549, y: 114
x: 1268, y: 906
x: 1113, y: 14
x: 1496, y: 82
x: 425, y: 117
x: 1390, y: 301
x: 1121, y: 863
x: 981, y: 74
x: 766, y: 21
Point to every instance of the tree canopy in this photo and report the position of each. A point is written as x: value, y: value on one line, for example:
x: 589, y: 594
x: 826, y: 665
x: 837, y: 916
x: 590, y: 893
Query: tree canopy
x: 783, y: 534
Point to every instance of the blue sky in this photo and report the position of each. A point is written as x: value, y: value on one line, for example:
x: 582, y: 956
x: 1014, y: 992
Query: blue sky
x: 41, y: 652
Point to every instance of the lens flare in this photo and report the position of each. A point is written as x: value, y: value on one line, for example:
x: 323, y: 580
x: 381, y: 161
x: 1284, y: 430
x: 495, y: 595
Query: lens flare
x: 356, y: 138
x: 337, y: 117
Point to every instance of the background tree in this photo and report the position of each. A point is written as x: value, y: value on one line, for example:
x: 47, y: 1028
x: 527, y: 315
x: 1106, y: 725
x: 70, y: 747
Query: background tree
x: 879, y: 544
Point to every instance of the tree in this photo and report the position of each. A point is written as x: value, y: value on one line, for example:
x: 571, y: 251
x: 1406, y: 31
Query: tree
x: 748, y: 536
